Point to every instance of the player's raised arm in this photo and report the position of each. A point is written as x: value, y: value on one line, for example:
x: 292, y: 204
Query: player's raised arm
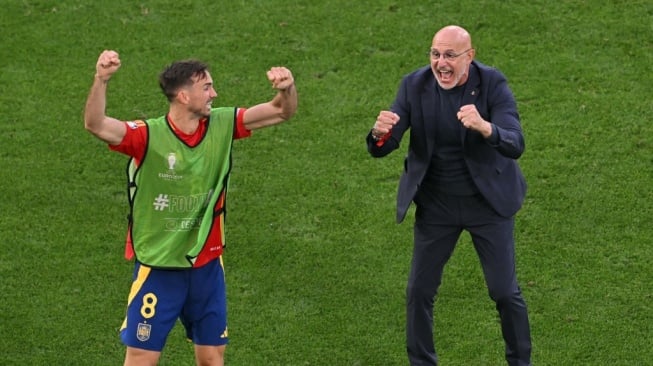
x: 280, y: 108
x: 96, y: 121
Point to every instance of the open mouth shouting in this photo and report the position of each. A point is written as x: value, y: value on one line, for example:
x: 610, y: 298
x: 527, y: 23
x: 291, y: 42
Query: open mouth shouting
x: 446, y: 77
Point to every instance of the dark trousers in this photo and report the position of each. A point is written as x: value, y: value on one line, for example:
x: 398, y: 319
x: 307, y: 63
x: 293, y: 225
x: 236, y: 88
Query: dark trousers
x: 438, y: 226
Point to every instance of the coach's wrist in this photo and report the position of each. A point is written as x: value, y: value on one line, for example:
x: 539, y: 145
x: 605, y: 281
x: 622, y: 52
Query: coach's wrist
x: 376, y: 135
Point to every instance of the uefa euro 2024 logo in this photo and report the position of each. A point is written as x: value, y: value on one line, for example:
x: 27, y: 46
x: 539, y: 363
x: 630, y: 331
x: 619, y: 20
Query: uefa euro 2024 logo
x: 172, y: 160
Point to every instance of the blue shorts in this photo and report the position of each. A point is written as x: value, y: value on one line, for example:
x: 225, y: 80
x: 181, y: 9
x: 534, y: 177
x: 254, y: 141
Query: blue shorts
x: 159, y: 297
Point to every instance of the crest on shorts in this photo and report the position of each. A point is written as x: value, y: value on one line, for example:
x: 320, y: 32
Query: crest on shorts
x: 143, y: 331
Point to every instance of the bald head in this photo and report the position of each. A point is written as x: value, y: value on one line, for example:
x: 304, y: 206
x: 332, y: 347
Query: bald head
x: 453, y: 35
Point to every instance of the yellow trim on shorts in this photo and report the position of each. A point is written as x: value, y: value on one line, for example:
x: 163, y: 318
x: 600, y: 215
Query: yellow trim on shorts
x: 141, y: 276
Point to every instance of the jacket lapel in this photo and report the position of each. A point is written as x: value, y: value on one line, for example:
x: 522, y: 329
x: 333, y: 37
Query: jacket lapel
x: 472, y: 88
x: 430, y: 106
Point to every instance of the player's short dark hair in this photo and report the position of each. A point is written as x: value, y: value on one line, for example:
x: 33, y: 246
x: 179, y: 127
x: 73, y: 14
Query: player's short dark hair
x: 180, y: 74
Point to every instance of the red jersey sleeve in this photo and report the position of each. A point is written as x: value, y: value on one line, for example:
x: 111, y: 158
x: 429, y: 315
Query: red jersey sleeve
x: 133, y: 144
x: 241, y: 131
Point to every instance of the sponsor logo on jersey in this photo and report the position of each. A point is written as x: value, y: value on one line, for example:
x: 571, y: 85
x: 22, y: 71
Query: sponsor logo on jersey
x: 135, y: 124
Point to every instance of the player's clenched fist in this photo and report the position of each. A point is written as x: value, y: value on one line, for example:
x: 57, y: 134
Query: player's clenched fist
x: 281, y: 78
x: 107, y: 64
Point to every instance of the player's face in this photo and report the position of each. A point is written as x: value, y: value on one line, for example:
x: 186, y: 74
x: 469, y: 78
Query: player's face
x: 201, y: 95
x: 450, y: 60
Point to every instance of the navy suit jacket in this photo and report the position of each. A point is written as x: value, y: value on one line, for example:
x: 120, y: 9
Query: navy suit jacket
x: 493, y: 167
